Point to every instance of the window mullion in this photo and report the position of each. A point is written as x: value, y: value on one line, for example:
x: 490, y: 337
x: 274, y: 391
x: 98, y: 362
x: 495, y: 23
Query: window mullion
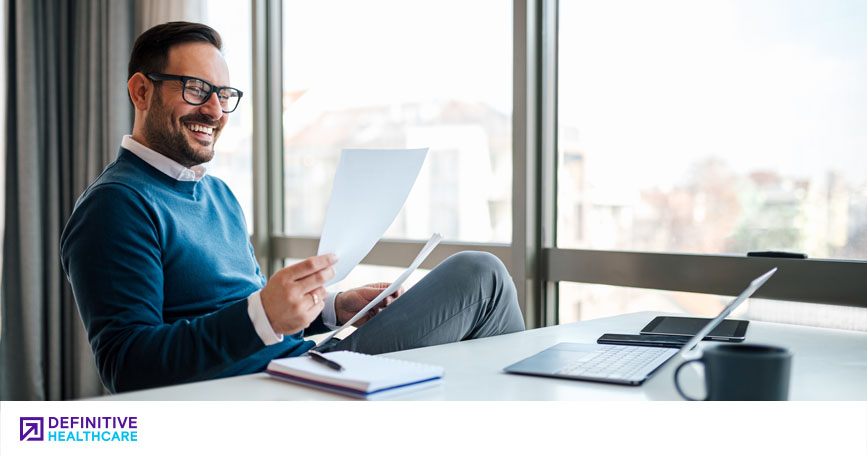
x: 526, y: 238
x: 267, y: 132
x: 816, y: 281
x: 548, y: 153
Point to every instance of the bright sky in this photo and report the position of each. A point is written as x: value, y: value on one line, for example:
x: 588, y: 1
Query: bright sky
x: 772, y: 85
x: 767, y: 85
x: 355, y: 53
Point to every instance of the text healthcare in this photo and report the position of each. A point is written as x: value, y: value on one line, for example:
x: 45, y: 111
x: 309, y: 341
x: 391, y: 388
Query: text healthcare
x: 92, y: 429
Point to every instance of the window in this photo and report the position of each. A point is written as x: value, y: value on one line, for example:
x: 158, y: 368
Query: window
x: 3, y: 83
x: 396, y: 74
x: 233, y: 158
x: 579, y: 301
x: 673, y: 137
x: 713, y: 127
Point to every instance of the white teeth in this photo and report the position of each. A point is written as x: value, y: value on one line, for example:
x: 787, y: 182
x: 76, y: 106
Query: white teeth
x: 201, y: 128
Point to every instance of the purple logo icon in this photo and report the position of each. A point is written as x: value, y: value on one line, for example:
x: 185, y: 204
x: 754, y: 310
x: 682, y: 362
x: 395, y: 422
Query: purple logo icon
x: 31, y: 428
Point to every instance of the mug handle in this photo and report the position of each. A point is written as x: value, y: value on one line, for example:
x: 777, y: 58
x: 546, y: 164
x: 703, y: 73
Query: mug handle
x: 677, y: 383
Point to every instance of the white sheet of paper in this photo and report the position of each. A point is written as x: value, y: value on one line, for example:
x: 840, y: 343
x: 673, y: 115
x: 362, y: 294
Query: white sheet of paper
x: 369, y: 189
x: 425, y: 251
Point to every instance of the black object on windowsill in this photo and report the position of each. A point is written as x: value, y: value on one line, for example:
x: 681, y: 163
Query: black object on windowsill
x: 773, y: 254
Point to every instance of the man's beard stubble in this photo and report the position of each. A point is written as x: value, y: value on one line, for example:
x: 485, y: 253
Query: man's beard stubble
x: 162, y: 135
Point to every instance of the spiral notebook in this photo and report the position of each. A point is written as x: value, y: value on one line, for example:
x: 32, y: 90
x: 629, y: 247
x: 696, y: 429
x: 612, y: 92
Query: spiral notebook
x: 364, y: 376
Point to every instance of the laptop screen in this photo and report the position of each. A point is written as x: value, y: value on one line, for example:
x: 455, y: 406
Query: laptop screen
x: 754, y: 285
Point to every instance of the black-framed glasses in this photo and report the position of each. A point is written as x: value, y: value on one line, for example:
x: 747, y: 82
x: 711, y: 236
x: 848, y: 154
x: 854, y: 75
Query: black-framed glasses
x: 198, y: 91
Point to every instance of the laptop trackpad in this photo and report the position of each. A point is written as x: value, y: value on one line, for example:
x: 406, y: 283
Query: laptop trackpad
x: 551, y: 360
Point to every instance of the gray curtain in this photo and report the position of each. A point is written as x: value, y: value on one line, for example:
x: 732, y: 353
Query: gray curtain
x: 67, y: 110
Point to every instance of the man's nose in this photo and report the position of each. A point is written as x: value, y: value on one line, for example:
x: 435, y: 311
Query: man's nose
x: 212, y: 108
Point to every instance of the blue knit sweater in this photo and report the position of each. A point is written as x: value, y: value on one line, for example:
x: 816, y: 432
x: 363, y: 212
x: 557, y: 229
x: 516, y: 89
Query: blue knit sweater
x: 161, y: 270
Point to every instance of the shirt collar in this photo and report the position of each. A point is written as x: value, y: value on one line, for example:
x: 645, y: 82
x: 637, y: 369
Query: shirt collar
x: 165, y: 164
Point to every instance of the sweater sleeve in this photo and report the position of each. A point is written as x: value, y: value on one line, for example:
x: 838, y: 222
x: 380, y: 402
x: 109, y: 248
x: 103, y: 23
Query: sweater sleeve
x: 112, y: 257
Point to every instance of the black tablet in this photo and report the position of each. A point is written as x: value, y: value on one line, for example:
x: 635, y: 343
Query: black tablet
x: 728, y: 330
x: 645, y: 340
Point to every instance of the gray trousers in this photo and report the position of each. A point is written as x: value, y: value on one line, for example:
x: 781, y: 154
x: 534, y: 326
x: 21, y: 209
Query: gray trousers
x: 468, y: 296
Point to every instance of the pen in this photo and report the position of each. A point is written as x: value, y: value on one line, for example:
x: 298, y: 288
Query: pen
x: 319, y: 358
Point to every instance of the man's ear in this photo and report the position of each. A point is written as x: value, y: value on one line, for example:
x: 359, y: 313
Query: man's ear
x: 141, y: 89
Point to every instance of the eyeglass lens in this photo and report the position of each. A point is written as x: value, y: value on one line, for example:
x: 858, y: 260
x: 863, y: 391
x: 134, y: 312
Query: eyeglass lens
x: 197, y: 92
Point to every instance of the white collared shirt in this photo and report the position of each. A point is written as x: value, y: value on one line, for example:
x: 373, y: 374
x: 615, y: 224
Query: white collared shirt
x: 165, y: 164
x: 255, y: 309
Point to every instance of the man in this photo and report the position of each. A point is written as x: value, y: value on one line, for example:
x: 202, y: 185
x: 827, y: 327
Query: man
x: 164, y: 275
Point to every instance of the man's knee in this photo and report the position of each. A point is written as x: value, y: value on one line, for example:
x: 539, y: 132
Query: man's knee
x: 484, y: 273
x: 475, y: 265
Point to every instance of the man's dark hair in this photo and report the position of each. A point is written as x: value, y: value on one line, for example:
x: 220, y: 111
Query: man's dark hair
x: 150, y: 53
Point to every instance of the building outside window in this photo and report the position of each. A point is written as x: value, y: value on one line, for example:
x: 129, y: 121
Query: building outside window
x: 356, y: 77
x: 710, y: 128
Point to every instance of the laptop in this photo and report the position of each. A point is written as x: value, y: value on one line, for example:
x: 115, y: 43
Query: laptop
x: 622, y: 364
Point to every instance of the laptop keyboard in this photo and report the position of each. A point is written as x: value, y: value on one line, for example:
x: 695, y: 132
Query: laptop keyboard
x: 618, y: 362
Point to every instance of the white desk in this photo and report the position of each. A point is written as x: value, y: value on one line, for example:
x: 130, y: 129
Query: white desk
x: 827, y: 365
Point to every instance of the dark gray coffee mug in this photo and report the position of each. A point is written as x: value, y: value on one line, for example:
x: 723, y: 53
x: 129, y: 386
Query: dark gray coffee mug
x: 743, y: 372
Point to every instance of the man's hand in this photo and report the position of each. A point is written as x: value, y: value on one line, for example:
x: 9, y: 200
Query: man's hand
x: 294, y: 296
x: 350, y: 302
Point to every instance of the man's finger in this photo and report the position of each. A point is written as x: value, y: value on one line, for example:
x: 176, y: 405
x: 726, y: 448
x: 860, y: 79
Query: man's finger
x: 309, y: 266
x: 315, y: 280
x: 370, y: 293
x: 316, y: 298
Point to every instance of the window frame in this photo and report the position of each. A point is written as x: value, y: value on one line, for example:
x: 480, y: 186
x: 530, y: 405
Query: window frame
x: 535, y: 263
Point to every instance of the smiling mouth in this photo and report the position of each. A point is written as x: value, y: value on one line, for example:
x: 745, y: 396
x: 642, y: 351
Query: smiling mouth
x: 200, y: 130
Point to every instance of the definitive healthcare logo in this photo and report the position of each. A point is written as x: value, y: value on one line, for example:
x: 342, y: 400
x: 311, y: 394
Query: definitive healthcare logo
x: 79, y: 429
x: 31, y: 428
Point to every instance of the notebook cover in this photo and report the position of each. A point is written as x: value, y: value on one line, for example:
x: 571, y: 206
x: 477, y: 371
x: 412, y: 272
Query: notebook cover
x: 405, y: 388
x: 363, y: 374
